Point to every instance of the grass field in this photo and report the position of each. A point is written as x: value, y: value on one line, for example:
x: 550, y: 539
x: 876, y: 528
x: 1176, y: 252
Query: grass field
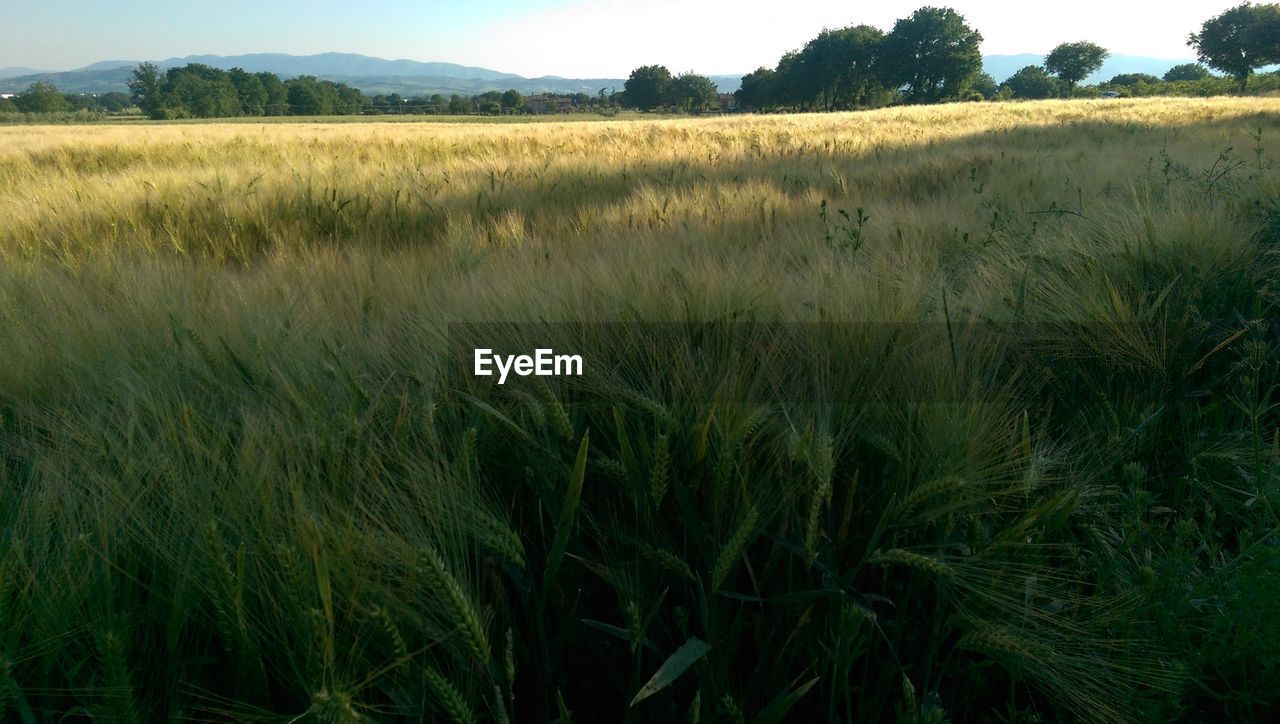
x: 241, y: 480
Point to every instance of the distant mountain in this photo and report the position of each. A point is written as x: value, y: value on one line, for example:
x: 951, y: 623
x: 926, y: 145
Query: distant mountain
x: 108, y: 65
x: 411, y: 77
x: 17, y: 71
x: 75, y: 81
x: 727, y: 83
x: 1002, y: 66
x: 372, y: 75
x: 337, y: 64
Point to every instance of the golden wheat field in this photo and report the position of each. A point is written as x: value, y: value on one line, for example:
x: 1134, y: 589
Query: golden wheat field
x: 239, y: 482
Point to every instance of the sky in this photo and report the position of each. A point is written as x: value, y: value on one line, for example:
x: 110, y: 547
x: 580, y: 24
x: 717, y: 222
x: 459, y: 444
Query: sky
x: 570, y: 38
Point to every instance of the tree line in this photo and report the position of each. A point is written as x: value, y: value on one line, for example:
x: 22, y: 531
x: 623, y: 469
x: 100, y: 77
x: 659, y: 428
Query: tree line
x: 933, y: 56
x: 1237, y: 43
x: 653, y: 86
x: 201, y: 91
x: 42, y: 97
x: 491, y: 103
x: 929, y: 57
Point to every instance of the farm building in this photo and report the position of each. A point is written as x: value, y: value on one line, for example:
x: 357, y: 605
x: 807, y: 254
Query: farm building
x: 549, y: 104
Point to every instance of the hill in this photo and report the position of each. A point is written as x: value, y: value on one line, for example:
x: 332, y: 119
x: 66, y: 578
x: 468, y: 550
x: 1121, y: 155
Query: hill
x: 410, y: 77
x: 371, y: 75
x: 17, y: 71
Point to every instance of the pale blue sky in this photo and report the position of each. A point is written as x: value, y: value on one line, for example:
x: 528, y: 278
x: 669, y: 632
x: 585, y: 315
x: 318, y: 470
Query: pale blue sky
x: 602, y: 38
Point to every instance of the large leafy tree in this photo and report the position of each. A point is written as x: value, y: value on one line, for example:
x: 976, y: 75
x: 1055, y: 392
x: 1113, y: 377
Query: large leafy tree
x: 200, y: 91
x: 790, y: 88
x: 306, y: 98
x: 145, y: 89
x: 932, y: 55
x: 841, y: 65
x: 512, y: 100
x: 114, y: 101
x: 1073, y: 62
x: 1240, y: 40
x: 691, y: 92
x: 646, y: 89
x: 986, y: 85
x: 277, y: 95
x: 759, y: 89
x: 253, y: 97
x: 41, y: 97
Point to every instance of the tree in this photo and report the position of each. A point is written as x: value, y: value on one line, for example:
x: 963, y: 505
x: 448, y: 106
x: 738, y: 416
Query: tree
x: 1128, y: 79
x: 512, y: 101
x: 840, y: 67
x: 253, y: 97
x: 349, y: 102
x: 646, y: 89
x: 691, y: 93
x: 200, y: 91
x: 1033, y: 82
x: 933, y: 54
x: 305, y: 97
x: 115, y: 101
x: 41, y: 97
x: 277, y: 95
x: 145, y: 89
x: 758, y: 90
x: 789, y: 85
x: 459, y: 105
x: 986, y: 85
x: 80, y: 101
x: 1073, y: 62
x: 1187, y: 71
x: 1240, y: 40
x: 488, y: 103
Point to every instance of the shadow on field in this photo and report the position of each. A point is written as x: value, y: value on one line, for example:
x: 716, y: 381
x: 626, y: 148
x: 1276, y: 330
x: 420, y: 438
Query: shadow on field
x: 413, y: 207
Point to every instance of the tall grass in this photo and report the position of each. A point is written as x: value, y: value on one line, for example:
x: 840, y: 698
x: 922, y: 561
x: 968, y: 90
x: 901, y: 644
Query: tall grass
x: 242, y: 481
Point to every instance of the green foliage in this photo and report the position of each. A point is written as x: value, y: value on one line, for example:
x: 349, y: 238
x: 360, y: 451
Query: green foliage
x: 114, y: 102
x: 985, y: 85
x: 933, y: 55
x: 841, y: 68
x: 1127, y: 79
x: 1186, y: 71
x: 1032, y: 82
x: 1073, y: 62
x: 758, y: 90
x: 648, y: 87
x: 199, y: 91
x: 1240, y: 40
x: 691, y: 93
x: 460, y: 104
x: 250, y: 92
x: 146, y: 91
x: 41, y: 97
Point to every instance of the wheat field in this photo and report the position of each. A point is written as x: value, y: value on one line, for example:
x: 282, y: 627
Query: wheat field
x: 241, y: 480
